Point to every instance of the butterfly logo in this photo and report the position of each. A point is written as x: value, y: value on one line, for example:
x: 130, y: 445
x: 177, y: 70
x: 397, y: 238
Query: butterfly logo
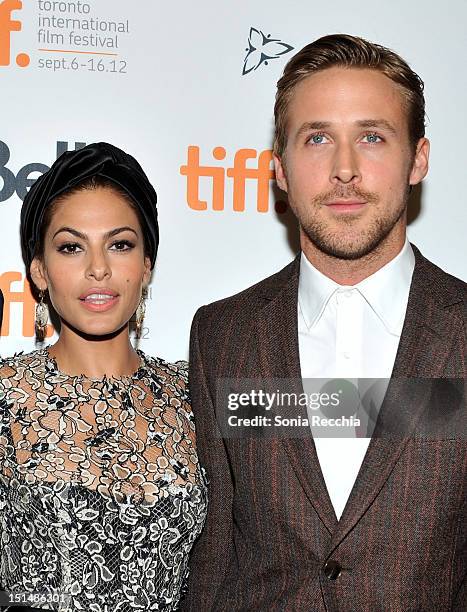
x: 261, y: 49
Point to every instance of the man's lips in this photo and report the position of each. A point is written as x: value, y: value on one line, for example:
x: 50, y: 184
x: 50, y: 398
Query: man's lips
x: 346, y: 205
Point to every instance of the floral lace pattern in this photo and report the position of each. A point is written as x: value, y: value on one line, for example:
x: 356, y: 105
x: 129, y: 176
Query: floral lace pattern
x: 101, y: 493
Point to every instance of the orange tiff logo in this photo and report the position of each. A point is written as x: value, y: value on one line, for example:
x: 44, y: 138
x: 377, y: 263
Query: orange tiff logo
x: 262, y: 173
x: 7, y: 26
x: 23, y: 296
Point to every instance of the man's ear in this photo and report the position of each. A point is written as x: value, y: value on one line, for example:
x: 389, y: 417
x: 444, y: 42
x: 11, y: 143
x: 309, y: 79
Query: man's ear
x: 420, y: 162
x: 37, y: 272
x: 281, y: 178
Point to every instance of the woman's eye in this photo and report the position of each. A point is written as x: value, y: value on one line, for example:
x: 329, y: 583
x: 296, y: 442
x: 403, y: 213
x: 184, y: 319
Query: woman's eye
x: 372, y: 138
x: 317, y: 139
x: 122, y: 245
x: 70, y: 248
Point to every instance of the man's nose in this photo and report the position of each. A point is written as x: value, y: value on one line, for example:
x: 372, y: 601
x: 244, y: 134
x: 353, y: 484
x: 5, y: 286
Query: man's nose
x: 345, y: 167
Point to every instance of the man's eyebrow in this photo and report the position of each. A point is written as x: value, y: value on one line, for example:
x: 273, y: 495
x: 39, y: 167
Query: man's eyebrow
x: 378, y: 124
x: 363, y: 123
x: 313, y: 125
x: 107, y: 235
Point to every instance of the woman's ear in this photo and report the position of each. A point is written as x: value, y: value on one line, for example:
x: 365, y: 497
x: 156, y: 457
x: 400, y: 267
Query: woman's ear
x: 37, y: 272
x: 147, y: 271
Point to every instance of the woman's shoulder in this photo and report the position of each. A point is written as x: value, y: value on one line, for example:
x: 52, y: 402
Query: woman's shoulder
x: 169, y: 368
x: 167, y: 373
x: 16, y: 365
x: 22, y: 357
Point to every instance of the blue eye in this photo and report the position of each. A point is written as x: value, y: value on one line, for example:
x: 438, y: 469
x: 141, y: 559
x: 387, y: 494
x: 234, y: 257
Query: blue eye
x: 317, y: 139
x: 373, y: 138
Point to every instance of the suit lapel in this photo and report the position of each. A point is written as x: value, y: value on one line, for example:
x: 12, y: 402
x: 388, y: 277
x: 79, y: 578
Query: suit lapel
x: 428, y: 334
x: 279, y: 359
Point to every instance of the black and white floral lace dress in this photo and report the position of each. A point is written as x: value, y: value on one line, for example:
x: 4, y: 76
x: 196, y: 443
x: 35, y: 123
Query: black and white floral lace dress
x: 101, y: 492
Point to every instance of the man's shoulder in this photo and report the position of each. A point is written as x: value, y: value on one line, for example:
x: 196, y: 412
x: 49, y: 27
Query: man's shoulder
x: 439, y: 284
x: 249, y: 299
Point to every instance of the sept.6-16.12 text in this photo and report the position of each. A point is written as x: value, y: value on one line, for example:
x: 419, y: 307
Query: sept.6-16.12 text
x: 76, y: 63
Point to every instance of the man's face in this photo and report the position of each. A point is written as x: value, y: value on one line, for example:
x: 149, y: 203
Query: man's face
x: 348, y: 163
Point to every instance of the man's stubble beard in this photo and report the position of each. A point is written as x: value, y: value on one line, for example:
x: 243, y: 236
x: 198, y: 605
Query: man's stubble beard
x: 333, y: 242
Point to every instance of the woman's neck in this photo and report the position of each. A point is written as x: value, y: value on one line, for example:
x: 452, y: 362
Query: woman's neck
x: 95, y: 358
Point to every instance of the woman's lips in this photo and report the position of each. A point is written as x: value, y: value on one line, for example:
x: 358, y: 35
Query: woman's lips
x: 99, y: 302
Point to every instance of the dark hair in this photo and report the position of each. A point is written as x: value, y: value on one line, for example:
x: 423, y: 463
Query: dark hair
x: 343, y: 50
x: 88, y: 184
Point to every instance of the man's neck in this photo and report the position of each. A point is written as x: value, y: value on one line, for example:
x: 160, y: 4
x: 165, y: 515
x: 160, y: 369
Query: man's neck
x: 352, y: 271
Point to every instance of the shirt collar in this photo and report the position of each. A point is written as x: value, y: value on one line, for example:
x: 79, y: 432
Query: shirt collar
x: 386, y: 291
x: 314, y: 291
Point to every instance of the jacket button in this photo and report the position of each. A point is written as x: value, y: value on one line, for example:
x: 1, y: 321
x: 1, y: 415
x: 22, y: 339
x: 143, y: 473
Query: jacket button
x: 332, y: 569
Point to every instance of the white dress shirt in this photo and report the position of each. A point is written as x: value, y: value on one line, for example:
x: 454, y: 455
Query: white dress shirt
x: 350, y: 332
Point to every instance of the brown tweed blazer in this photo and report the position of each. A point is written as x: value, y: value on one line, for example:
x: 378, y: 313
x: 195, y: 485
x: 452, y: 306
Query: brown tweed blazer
x: 401, y: 542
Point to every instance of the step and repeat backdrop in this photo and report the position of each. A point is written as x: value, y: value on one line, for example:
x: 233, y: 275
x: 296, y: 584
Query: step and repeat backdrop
x: 188, y: 89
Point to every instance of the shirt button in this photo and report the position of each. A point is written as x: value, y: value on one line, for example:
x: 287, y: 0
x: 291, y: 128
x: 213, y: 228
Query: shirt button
x: 332, y: 569
x: 348, y: 294
x: 346, y: 355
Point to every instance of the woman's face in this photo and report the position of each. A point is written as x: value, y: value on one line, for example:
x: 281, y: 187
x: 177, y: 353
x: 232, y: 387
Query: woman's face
x: 93, y: 265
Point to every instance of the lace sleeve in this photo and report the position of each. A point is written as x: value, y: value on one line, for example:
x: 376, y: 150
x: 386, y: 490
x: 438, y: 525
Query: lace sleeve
x: 182, y: 367
x: 3, y: 443
x: 3, y: 421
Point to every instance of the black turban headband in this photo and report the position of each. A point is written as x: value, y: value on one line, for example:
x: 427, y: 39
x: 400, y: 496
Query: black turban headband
x: 74, y: 167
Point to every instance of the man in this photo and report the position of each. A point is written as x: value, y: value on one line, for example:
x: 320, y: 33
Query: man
x: 338, y: 524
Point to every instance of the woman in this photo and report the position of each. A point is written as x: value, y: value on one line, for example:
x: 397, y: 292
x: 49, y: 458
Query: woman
x: 101, y: 493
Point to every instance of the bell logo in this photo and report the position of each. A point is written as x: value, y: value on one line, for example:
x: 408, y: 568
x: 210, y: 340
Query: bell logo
x: 262, y: 173
x: 7, y: 26
x: 24, y: 178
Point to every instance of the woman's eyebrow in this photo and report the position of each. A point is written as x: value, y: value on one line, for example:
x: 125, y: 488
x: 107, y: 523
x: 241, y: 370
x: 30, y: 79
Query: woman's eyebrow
x: 109, y: 234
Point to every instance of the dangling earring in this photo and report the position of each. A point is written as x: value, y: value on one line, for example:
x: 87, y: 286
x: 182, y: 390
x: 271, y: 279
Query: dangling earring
x: 140, y: 312
x: 41, y: 317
